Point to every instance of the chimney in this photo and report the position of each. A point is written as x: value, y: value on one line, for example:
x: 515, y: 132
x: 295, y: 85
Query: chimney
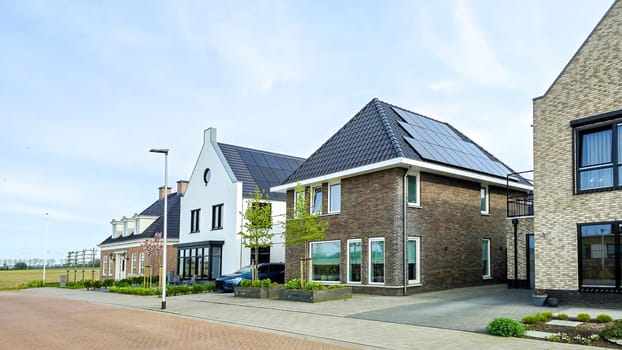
x: 161, y: 191
x: 182, y: 185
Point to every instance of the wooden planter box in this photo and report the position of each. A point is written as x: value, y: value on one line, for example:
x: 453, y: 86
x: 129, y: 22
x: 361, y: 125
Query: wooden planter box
x: 258, y: 292
x: 314, y: 296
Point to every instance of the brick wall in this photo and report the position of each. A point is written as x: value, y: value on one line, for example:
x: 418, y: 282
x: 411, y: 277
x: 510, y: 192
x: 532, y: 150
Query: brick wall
x: 591, y: 84
x: 449, y: 224
x: 171, y: 262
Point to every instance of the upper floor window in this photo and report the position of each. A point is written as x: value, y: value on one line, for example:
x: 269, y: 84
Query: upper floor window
x: 596, y: 157
x: 413, y: 189
x: 334, y: 196
x: 483, y: 199
x: 217, y: 217
x: 194, y: 220
x: 316, y: 200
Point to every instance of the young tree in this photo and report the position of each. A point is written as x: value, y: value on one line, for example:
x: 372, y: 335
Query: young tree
x: 257, y: 225
x: 153, y: 248
x: 302, y: 228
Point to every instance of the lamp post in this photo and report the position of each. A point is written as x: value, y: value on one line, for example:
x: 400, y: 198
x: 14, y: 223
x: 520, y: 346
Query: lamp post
x: 163, y: 284
x: 45, y: 246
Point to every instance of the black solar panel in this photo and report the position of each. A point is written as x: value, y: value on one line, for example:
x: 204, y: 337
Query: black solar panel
x: 438, y: 142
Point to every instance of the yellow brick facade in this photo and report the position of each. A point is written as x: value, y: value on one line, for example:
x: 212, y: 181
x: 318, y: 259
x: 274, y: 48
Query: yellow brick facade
x: 591, y: 84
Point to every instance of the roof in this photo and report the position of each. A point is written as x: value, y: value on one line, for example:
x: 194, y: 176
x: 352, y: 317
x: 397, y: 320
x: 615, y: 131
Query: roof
x: 381, y: 131
x: 260, y: 169
x: 156, y: 209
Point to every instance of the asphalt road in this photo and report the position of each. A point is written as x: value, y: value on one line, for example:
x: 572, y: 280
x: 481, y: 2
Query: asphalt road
x: 39, y: 322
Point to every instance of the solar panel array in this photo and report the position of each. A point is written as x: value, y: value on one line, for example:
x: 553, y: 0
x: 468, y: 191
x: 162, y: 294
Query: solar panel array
x: 268, y: 169
x: 438, y: 142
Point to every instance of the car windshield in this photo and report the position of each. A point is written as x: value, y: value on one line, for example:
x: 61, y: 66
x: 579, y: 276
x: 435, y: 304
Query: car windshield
x: 243, y: 270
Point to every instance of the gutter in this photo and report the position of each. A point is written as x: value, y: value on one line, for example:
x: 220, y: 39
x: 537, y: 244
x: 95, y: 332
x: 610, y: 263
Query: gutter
x: 404, y: 230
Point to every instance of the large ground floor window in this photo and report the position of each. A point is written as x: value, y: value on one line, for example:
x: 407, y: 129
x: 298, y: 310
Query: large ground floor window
x: 376, y: 260
x: 599, y: 255
x: 325, y: 261
x: 203, y: 260
x: 414, y: 266
x: 354, y: 260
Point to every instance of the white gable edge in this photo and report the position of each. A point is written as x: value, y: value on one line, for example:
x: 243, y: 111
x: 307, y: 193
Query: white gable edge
x: 407, y: 163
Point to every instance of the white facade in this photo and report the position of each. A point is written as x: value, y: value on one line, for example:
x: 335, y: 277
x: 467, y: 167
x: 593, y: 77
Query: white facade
x: 213, y: 187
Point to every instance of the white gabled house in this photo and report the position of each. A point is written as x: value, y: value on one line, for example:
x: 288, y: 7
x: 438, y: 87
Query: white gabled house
x: 223, y: 181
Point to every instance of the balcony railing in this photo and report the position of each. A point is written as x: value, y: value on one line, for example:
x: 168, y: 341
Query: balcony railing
x: 520, y: 206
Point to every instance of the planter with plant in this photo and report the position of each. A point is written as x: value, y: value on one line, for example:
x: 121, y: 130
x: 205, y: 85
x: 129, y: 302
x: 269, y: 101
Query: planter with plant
x: 538, y: 297
x: 261, y: 289
x: 314, y: 292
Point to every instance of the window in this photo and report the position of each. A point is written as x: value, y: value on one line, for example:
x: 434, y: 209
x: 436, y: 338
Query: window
x: 354, y: 260
x: 483, y: 199
x: 596, y: 157
x: 204, y: 261
x: 105, y: 265
x: 217, y: 217
x: 316, y: 200
x: 334, y: 195
x: 264, y: 255
x: 194, y: 220
x: 597, y: 257
x: 299, y: 197
x: 376, y: 260
x: 413, y: 190
x: 486, y: 258
x: 325, y: 261
x: 133, y: 266
x: 110, y: 265
x: 141, y: 263
x: 413, y: 260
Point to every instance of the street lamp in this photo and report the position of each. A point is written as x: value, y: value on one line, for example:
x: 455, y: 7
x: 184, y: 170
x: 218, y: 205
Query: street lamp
x: 163, y: 284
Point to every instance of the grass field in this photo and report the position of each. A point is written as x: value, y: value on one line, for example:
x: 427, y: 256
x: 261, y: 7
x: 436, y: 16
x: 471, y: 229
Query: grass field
x: 13, y: 278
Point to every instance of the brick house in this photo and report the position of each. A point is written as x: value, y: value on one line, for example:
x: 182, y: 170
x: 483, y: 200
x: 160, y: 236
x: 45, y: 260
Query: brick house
x: 412, y: 204
x: 578, y: 177
x: 121, y: 253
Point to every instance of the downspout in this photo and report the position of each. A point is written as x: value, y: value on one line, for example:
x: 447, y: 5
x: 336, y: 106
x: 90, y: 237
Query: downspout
x: 515, y: 224
x: 405, y: 232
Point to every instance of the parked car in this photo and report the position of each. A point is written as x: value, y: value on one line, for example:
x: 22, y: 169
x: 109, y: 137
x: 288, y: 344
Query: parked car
x: 274, y: 271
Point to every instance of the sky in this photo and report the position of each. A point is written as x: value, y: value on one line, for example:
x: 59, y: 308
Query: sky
x: 88, y: 87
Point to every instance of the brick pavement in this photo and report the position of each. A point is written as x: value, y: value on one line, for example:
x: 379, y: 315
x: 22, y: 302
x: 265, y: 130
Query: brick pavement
x: 40, y: 322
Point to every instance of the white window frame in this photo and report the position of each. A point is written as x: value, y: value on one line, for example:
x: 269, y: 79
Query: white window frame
x: 358, y: 240
x: 133, y: 267
x: 489, y: 275
x: 486, y: 210
x: 304, y: 196
x: 417, y: 176
x: 110, y: 266
x: 312, y: 201
x: 310, y: 272
x: 105, y: 265
x: 141, y: 263
x: 370, y: 269
x: 330, y: 204
x: 417, y: 241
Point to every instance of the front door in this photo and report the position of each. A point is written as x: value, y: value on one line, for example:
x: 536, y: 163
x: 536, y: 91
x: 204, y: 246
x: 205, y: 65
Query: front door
x: 120, y: 266
x: 531, y: 261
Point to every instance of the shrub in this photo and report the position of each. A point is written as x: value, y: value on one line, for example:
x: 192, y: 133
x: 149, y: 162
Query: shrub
x: 107, y: 282
x: 545, y: 316
x: 531, y: 319
x: 335, y: 286
x: 559, y: 338
x: 314, y: 286
x: 97, y: 284
x: 583, y: 317
x: 562, y: 316
x: 88, y: 284
x: 506, y: 327
x: 245, y: 282
x: 293, y: 284
x: 613, y: 331
x: 603, y: 318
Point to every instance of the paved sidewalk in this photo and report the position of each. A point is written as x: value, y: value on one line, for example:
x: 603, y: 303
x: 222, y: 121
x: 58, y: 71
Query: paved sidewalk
x: 348, y: 322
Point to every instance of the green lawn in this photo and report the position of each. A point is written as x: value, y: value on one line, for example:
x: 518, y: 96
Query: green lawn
x: 13, y: 278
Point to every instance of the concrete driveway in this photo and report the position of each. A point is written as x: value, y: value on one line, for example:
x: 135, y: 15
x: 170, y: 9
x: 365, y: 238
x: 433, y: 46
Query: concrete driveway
x: 466, y: 309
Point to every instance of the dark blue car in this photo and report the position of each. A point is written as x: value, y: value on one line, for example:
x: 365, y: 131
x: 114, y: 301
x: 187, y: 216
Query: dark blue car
x: 274, y: 271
